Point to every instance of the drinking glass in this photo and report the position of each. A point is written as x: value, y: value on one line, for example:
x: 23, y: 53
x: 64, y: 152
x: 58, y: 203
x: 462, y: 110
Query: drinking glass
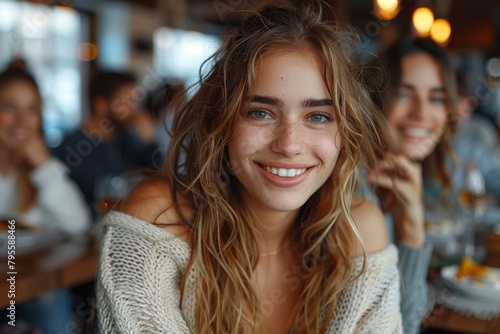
x: 109, y: 190
x: 472, y: 199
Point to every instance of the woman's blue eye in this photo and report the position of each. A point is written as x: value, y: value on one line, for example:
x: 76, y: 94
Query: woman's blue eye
x: 437, y: 100
x: 7, y: 108
x: 402, y: 96
x: 320, y: 118
x: 258, y: 114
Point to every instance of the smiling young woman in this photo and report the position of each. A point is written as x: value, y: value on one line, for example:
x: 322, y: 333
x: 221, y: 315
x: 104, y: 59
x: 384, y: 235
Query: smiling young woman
x: 34, y: 186
x: 420, y: 104
x: 254, y: 226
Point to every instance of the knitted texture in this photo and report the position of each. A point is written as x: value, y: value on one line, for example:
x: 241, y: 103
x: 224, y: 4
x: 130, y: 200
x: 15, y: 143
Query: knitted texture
x: 142, y: 265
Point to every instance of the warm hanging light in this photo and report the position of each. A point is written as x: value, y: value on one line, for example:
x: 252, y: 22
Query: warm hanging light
x: 386, y: 9
x: 87, y: 51
x: 441, y: 31
x: 423, y: 18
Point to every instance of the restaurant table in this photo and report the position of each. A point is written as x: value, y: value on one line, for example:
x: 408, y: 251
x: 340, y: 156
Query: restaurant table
x: 65, y: 264
x: 444, y: 318
x: 447, y: 319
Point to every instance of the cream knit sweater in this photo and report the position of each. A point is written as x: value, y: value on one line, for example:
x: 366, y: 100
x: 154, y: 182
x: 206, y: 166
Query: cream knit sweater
x: 142, y: 265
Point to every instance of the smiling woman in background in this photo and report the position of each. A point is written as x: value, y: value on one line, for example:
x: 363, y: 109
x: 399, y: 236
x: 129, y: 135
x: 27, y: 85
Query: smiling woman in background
x: 34, y: 188
x: 419, y: 102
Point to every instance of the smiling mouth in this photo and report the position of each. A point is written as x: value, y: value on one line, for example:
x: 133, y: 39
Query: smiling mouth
x: 416, y: 132
x: 284, y: 172
x: 19, y: 134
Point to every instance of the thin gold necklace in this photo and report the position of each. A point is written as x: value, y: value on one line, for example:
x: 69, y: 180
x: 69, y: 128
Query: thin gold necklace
x: 277, y: 251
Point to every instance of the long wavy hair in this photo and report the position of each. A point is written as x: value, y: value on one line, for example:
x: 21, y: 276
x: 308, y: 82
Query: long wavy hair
x: 224, y: 252
x: 27, y: 191
x: 384, y: 86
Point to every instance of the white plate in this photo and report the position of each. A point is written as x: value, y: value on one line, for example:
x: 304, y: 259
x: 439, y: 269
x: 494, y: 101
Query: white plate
x: 471, y: 289
x: 28, y: 241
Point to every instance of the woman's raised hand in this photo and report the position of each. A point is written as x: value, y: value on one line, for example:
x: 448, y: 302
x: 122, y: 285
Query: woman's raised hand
x: 403, y: 180
x: 33, y: 154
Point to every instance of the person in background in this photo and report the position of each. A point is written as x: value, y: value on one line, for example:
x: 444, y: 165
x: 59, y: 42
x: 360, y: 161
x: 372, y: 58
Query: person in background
x: 34, y: 186
x: 35, y: 191
x: 476, y: 144
x: 116, y: 138
x: 254, y: 227
x: 159, y: 104
x: 418, y: 98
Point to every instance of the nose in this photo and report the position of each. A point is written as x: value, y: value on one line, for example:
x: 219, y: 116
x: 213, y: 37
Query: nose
x: 419, y: 108
x: 288, y: 140
x: 21, y: 116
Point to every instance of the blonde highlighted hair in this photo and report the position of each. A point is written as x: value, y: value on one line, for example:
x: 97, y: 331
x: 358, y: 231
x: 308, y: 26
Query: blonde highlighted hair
x: 224, y: 251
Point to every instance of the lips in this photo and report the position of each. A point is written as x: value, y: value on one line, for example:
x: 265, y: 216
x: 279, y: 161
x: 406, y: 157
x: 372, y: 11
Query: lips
x: 19, y: 134
x: 285, y: 175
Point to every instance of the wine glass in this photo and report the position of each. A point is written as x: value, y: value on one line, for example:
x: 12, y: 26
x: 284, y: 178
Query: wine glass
x: 472, y: 199
x: 109, y: 190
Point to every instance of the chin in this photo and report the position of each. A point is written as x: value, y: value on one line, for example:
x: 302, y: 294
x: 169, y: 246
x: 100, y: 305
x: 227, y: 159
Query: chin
x: 418, y: 153
x: 285, y: 206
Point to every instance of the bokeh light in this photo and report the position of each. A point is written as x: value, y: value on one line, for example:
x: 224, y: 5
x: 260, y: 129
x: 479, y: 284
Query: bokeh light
x: 386, y: 9
x: 87, y: 51
x: 441, y: 31
x: 423, y: 19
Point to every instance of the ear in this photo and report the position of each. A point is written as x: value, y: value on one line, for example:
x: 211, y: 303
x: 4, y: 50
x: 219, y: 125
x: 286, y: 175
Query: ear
x: 100, y: 106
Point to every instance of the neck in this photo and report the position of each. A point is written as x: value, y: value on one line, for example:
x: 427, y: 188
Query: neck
x: 272, y: 229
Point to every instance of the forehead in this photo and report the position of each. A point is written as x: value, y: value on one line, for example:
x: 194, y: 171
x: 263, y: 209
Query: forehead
x: 279, y: 70
x: 19, y: 89
x: 17, y: 84
x: 421, y: 70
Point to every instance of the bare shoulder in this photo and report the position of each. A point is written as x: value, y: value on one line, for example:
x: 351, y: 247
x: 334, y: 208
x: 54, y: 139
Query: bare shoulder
x: 371, y: 224
x: 152, y: 201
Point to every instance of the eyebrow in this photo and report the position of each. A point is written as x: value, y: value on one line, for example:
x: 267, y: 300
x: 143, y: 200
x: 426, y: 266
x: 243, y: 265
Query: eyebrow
x: 411, y: 87
x: 308, y: 103
x: 316, y: 103
x: 267, y: 100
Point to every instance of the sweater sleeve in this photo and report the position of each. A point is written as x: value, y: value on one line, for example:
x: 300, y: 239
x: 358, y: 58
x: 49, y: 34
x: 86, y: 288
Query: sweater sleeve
x: 370, y: 304
x: 138, y: 283
x: 60, y: 198
x: 413, y: 266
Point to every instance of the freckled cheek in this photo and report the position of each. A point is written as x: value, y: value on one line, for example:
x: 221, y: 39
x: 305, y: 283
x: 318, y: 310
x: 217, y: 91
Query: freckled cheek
x: 35, y: 125
x: 328, y: 151
x: 395, y: 119
x: 6, y: 119
x: 242, y: 148
x: 440, y: 124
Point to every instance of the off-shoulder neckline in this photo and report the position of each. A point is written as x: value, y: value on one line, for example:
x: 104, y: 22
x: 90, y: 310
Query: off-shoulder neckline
x: 157, y: 233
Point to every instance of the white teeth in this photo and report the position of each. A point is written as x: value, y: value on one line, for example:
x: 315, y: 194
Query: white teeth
x: 283, y: 172
x: 416, y: 132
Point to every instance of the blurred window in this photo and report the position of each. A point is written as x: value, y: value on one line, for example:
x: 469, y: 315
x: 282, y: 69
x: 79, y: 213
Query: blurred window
x: 48, y: 38
x: 178, y: 54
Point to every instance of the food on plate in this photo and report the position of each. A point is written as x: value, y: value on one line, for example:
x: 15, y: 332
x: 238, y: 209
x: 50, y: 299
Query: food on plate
x: 469, y: 270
